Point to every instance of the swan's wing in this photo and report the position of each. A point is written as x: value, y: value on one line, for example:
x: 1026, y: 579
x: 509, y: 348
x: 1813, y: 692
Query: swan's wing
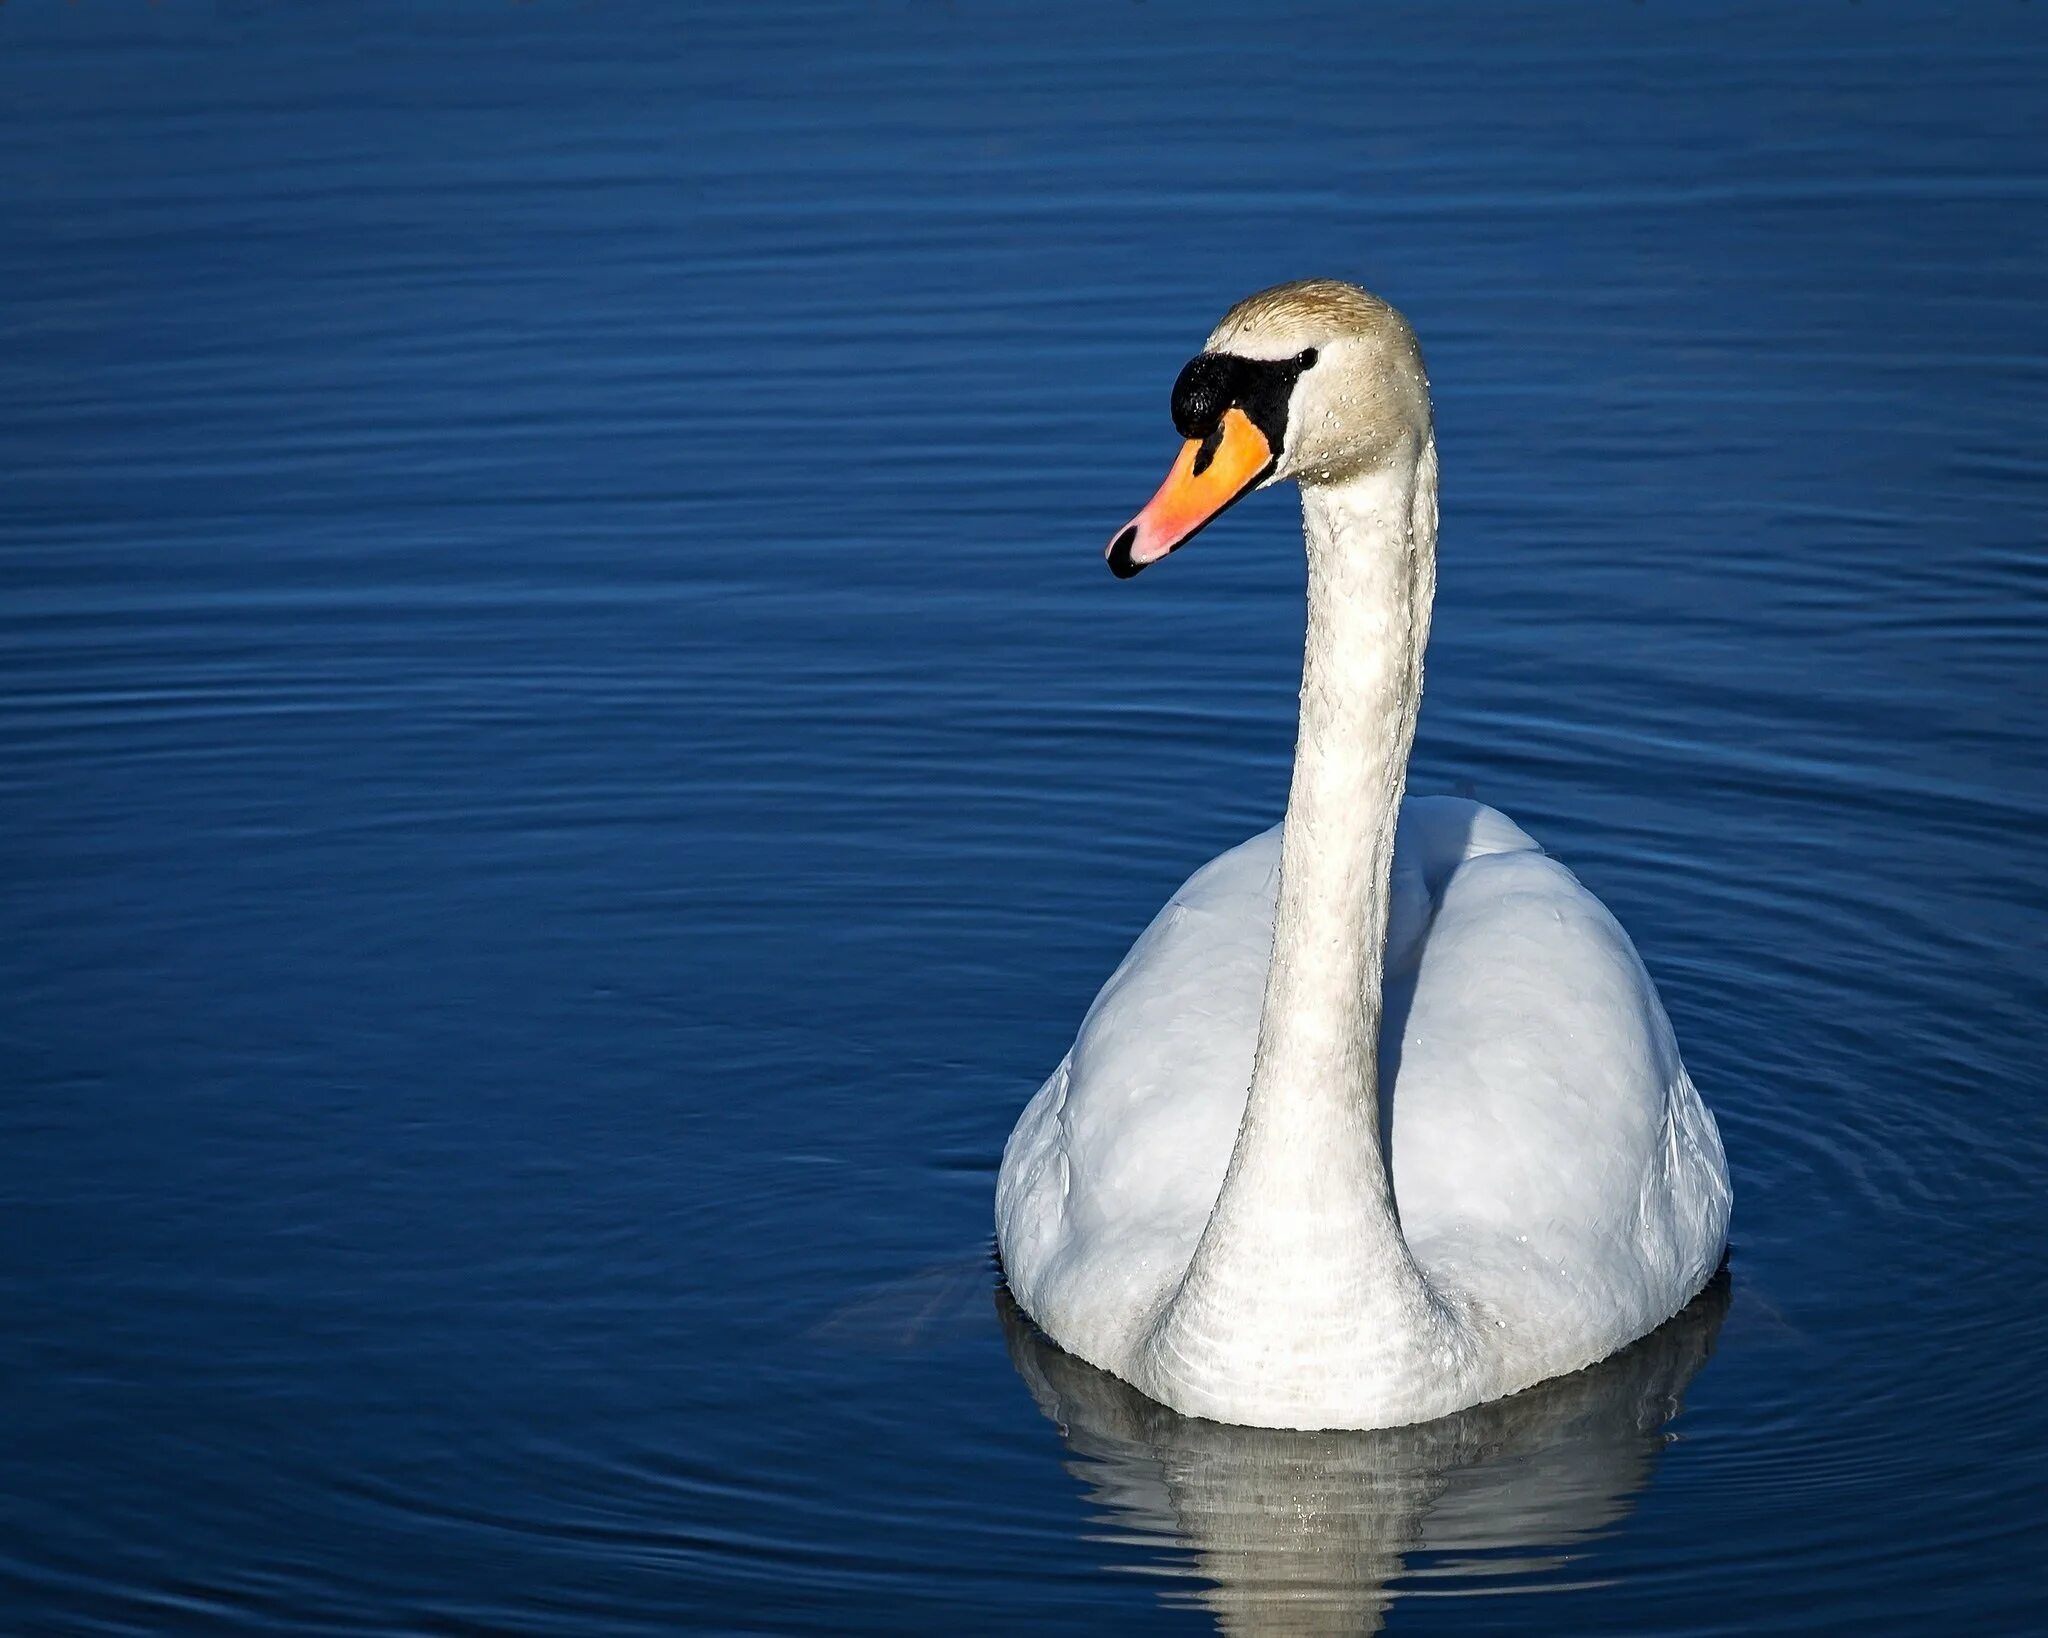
x: 1114, y: 1167
x: 1550, y: 1154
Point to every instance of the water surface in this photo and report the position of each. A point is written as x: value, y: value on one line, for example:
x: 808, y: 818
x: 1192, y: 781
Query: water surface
x: 569, y: 761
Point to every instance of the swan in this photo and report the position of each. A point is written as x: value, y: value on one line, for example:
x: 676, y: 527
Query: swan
x: 1381, y: 1117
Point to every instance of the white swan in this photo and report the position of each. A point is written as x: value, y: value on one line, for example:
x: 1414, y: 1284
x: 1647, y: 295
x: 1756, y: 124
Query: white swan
x: 1237, y: 1192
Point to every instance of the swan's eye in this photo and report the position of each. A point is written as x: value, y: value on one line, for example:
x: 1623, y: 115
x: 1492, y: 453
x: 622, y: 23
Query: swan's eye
x: 1305, y: 359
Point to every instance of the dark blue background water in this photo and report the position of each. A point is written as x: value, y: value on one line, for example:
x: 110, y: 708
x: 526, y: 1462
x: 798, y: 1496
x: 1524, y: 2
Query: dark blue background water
x: 569, y: 761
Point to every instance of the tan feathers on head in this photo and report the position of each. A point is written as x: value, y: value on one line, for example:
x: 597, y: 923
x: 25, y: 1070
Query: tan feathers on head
x: 1277, y: 320
x: 1365, y: 400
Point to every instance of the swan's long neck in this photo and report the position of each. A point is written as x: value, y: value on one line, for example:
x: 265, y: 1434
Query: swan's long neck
x: 1303, y: 1256
x: 1371, y: 576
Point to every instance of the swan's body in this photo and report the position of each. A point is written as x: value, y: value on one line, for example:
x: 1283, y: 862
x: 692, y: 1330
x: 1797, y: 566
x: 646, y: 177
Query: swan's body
x: 1236, y: 1192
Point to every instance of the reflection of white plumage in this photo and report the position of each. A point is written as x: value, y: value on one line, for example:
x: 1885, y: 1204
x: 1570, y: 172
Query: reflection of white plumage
x: 1239, y: 1192
x: 1295, y: 1532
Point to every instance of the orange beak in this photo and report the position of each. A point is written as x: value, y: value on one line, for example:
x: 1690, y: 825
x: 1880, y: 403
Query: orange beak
x: 1208, y: 475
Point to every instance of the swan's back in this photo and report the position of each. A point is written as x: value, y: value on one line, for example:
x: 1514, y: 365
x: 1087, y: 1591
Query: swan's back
x: 1552, y: 1165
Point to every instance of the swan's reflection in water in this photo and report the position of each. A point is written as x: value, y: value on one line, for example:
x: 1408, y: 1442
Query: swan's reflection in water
x: 1306, y: 1532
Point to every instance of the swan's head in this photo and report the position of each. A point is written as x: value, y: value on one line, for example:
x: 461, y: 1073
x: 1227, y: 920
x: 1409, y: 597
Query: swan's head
x: 1316, y: 381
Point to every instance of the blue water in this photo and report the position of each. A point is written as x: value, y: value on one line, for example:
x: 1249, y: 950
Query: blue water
x: 569, y: 761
